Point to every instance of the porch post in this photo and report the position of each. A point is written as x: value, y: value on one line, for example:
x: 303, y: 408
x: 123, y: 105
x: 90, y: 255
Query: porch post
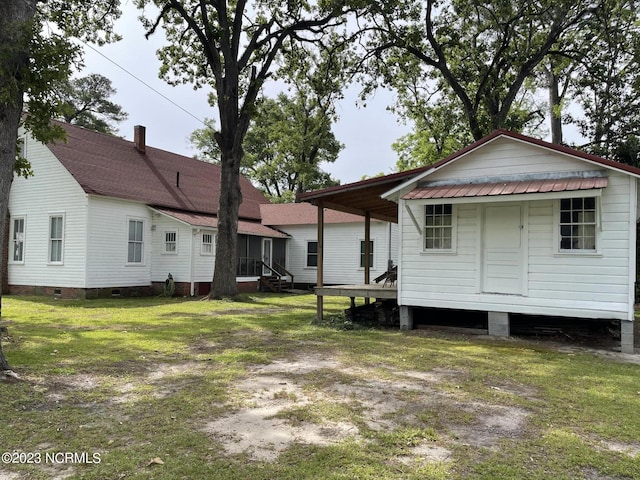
x: 367, y: 251
x: 320, y: 267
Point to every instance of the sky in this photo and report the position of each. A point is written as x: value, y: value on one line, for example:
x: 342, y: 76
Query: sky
x: 366, y: 132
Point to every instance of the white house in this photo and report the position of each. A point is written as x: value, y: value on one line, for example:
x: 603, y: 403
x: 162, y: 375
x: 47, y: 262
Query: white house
x: 344, y: 240
x: 509, y: 225
x: 105, y: 216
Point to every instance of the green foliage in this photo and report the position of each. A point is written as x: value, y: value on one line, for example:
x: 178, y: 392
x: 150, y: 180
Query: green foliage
x: 85, y: 102
x: 607, y: 81
x: 51, y: 57
x: 233, y: 47
x: 479, y: 53
x: 290, y: 136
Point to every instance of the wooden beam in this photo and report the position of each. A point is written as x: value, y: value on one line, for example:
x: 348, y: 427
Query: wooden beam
x: 320, y: 261
x: 367, y: 250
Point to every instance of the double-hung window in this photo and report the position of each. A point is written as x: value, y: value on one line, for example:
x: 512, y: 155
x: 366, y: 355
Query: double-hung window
x: 135, y: 252
x: 170, y: 242
x: 17, y: 239
x: 206, y: 247
x: 363, y: 255
x: 578, y: 224
x: 312, y: 254
x: 56, y: 238
x: 438, y: 227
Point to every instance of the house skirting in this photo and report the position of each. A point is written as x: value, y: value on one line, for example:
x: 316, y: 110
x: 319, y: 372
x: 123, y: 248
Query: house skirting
x: 81, y: 293
x: 182, y: 289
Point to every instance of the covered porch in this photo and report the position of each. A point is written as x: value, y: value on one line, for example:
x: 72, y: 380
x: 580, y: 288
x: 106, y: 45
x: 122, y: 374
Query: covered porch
x: 361, y: 198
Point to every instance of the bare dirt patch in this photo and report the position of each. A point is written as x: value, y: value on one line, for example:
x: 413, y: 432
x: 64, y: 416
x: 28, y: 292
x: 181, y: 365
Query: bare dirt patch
x: 261, y: 428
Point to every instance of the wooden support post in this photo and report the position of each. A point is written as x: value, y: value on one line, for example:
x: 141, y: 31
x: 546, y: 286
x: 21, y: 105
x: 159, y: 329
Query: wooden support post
x: 367, y: 252
x: 320, y: 267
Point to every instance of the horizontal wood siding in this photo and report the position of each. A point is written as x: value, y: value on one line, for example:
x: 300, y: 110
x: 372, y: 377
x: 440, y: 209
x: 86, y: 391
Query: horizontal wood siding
x: 579, y: 281
x: 434, y: 275
x: 203, y: 265
x: 108, y: 243
x: 583, y: 285
x: 177, y: 264
x: 507, y: 157
x: 50, y: 191
x: 342, y: 251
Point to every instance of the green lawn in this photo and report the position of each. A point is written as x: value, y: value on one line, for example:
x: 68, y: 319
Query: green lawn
x: 179, y: 389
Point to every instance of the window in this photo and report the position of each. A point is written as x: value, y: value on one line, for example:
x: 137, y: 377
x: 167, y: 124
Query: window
x: 578, y: 224
x: 438, y: 227
x: 170, y: 242
x: 207, y: 244
x: 136, y: 238
x: 312, y: 254
x: 56, y: 237
x: 22, y: 143
x: 17, y: 240
x: 362, y: 254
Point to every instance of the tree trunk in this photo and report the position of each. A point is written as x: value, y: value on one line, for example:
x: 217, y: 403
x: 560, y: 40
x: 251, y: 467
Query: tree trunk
x: 224, y: 276
x: 15, y: 23
x: 555, y: 108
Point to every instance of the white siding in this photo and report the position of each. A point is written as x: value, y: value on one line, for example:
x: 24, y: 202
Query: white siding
x: 203, y: 264
x: 342, y: 251
x: 50, y: 191
x: 509, y: 157
x: 570, y: 284
x: 178, y: 264
x: 107, y: 264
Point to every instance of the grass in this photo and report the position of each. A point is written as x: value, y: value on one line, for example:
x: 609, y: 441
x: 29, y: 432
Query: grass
x: 135, y: 381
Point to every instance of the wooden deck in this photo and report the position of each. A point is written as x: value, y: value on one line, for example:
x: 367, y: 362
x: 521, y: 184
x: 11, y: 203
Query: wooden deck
x: 361, y: 291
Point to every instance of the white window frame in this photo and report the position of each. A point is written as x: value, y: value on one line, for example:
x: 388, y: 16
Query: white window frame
x: 135, y: 241
x: 14, y: 240
x: 23, y: 146
x: 361, y: 253
x: 307, y: 253
x: 51, y: 240
x: 166, y: 244
x: 558, y: 224
x: 210, y: 246
x: 426, y: 228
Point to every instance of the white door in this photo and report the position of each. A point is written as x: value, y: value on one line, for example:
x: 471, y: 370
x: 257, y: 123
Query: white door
x: 502, y: 250
x: 266, y: 255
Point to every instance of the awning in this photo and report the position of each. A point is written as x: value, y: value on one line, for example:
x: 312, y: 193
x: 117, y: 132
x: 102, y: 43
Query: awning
x: 506, y: 188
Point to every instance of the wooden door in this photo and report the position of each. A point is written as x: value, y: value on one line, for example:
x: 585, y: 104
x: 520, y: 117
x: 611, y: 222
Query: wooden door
x: 503, y: 265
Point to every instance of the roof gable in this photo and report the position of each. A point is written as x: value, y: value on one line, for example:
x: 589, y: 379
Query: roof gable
x: 491, y: 158
x: 111, y: 166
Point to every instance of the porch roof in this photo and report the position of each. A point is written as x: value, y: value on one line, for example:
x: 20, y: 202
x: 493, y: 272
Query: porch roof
x: 362, y: 197
x: 489, y: 189
x: 211, y: 221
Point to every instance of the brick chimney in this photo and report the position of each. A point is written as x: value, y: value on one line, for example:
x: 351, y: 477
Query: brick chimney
x: 139, y: 140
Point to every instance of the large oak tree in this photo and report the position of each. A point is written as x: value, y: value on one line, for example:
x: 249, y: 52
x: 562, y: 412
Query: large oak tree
x: 232, y: 46
x: 483, y: 51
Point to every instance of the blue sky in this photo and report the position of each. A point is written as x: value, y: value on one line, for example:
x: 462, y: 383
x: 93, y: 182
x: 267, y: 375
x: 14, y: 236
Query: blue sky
x: 367, y: 133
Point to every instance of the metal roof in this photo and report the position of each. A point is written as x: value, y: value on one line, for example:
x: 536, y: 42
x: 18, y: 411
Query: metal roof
x: 506, y: 188
x: 365, y: 196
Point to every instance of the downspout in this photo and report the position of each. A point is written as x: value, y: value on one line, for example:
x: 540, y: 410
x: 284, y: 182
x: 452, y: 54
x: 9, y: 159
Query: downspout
x: 320, y: 267
x: 194, y: 233
x: 389, y: 256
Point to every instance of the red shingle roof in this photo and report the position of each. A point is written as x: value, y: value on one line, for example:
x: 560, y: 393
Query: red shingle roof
x: 302, y: 214
x: 211, y: 221
x: 111, y: 166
